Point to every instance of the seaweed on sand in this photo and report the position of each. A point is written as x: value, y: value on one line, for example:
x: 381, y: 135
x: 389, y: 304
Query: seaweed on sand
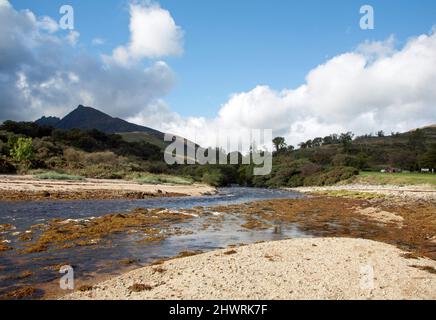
x: 325, y: 216
x: 139, y: 287
x: 70, y: 233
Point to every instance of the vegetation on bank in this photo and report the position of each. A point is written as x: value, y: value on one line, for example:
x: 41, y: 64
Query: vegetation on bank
x: 57, y: 176
x: 26, y: 147
x: 163, y: 179
x: 402, y: 178
x: 350, y: 194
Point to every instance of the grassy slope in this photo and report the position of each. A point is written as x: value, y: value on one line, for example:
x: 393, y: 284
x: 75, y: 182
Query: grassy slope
x: 142, y: 136
x: 396, y: 178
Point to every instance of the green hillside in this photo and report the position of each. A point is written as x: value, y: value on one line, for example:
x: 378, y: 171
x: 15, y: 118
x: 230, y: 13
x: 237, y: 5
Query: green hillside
x: 26, y: 147
x: 144, y: 137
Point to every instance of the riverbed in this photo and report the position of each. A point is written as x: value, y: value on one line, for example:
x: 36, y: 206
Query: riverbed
x: 123, y: 251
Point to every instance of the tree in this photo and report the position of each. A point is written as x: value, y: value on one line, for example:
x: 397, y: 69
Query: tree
x: 317, y: 142
x: 309, y: 144
x: 327, y: 140
x: 346, y: 140
x: 302, y: 145
x: 22, y: 151
x: 381, y: 134
x: 428, y: 159
x: 279, y: 143
x: 417, y: 140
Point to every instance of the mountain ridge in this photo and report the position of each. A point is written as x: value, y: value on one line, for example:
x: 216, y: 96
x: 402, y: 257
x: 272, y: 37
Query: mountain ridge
x: 88, y: 118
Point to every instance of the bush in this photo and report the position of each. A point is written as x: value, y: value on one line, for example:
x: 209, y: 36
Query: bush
x: 284, y: 175
x: 213, y: 178
x: 344, y: 160
x: 6, y: 167
x: 29, y: 129
x: 22, y: 151
x: 73, y: 156
x: 331, y: 176
x: 295, y: 181
x: 106, y: 157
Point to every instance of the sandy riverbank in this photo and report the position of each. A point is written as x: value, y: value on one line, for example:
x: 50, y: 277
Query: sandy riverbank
x: 318, y: 268
x: 404, y: 192
x: 29, y: 188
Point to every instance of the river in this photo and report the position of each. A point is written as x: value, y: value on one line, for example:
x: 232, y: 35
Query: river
x: 91, y: 261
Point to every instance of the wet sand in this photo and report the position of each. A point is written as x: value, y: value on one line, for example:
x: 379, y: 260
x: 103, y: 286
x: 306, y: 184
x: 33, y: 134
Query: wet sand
x: 25, y: 188
x: 319, y: 268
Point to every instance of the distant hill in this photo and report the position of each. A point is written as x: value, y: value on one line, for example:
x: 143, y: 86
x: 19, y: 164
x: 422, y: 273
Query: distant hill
x: 48, y: 121
x: 86, y: 118
x: 431, y: 126
x: 428, y: 134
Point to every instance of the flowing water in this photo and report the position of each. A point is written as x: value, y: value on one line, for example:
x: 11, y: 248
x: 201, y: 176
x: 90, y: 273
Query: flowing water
x: 89, y: 261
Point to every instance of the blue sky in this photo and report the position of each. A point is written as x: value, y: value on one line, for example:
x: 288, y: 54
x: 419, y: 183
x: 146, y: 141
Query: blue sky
x: 195, y: 68
x: 233, y: 46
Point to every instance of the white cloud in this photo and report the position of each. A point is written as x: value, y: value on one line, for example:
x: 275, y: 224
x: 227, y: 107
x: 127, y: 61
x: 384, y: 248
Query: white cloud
x: 48, y: 24
x: 41, y: 75
x: 73, y: 37
x: 375, y: 87
x: 153, y: 33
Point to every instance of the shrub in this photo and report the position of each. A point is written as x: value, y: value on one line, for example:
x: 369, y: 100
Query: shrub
x: 6, y: 167
x: 284, y: 174
x: 331, y: 176
x: 73, y: 156
x: 29, y: 129
x: 106, y: 157
x: 343, y: 160
x: 213, y: 178
x: 295, y: 181
x: 22, y: 151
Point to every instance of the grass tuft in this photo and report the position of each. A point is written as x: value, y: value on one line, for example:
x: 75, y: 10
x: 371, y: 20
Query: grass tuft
x: 57, y: 176
x: 163, y: 179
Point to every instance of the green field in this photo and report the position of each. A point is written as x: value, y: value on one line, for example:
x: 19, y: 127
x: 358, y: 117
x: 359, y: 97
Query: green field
x: 396, y: 178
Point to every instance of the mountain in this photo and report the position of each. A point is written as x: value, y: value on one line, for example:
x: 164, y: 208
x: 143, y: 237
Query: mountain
x: 48, y: 121
x: 86, y: 118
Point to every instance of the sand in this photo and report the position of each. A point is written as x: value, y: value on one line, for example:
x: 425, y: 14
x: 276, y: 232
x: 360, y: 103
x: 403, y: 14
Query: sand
x: 29, y: 188
x: 311, y: 268
x: 381, y: 215
x: 399, y: 193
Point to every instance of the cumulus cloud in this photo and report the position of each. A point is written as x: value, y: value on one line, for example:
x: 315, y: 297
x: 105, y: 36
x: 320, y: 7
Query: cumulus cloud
x: 154, y: 34
x: 48, y: 24
x: 73, y: 37
x: 41, y: 75
x: 375, y: 87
